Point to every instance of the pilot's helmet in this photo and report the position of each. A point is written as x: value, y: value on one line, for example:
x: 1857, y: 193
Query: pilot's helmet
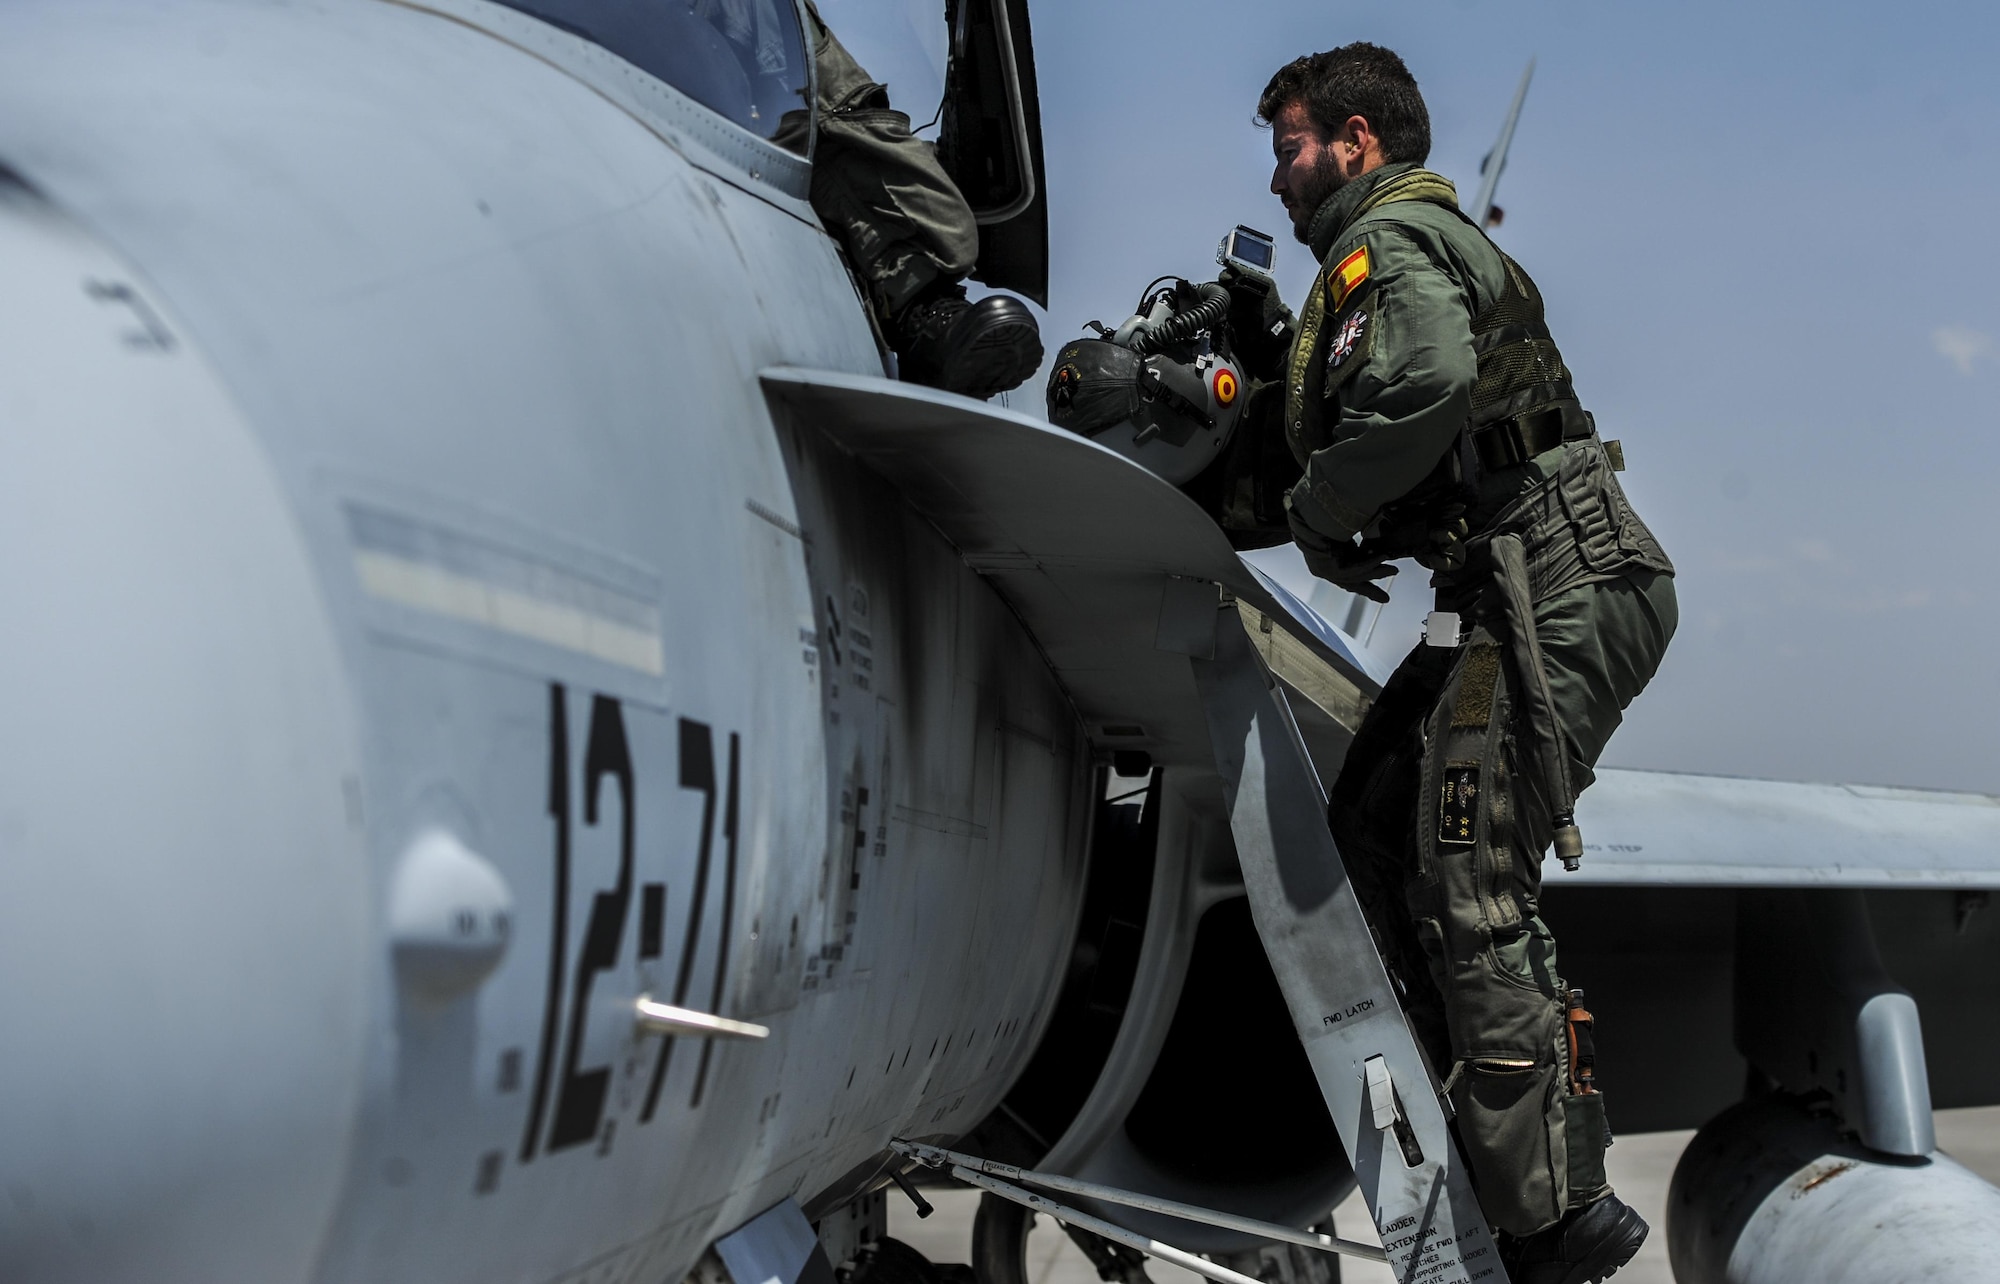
x: 1170, y: 417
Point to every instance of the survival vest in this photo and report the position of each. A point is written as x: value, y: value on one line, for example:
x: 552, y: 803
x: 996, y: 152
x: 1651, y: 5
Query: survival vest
x: 1574, y: 528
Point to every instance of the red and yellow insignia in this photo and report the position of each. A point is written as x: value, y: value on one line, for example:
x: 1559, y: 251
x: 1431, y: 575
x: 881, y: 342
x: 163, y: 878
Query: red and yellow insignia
x: 1225, y: 387
x: 1347, y: 339
x: 1346, y: 275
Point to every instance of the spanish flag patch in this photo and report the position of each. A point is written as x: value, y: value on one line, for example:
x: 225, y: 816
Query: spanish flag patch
x: 1347, y: 274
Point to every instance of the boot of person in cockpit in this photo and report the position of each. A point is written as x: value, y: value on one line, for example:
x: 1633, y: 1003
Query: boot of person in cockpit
x: 911, y: 236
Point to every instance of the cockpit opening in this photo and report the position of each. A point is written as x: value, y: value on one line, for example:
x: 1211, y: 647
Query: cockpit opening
x: 745, y: 59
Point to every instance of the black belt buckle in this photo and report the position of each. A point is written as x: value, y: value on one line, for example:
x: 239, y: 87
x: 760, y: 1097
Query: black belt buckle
x: 1514, y: 441
x: 1501, y: 446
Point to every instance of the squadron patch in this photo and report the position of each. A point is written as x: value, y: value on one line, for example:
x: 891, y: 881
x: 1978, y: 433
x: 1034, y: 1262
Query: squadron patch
x: 1347, y: 276
x: 1347, y: 340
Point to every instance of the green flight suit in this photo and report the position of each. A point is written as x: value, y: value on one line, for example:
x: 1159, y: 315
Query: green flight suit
x: 878, y: 187
x: 1443, y: 810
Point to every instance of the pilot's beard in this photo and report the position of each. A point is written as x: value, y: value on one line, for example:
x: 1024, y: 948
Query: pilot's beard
x: 1307, y: 196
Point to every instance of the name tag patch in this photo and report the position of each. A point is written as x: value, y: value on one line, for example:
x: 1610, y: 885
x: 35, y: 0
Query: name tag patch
x: 1458, y: 805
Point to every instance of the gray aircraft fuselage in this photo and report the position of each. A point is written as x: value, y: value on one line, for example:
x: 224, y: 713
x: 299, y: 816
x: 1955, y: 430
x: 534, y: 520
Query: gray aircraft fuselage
x: 422, y: 643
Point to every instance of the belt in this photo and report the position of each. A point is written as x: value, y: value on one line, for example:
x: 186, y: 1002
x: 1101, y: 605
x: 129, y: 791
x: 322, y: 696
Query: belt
x: 1517, y: 439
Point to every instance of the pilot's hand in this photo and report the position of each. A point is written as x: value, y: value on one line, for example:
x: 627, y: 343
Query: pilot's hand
x: 1359, y: 577
x: 1340, y: 562
x: 1260, y: 325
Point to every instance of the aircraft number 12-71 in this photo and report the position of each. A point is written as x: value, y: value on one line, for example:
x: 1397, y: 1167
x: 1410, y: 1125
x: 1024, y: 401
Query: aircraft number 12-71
x: 567, y: 1103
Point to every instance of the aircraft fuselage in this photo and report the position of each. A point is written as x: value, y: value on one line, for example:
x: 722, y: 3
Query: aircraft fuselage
x: 424, y: 642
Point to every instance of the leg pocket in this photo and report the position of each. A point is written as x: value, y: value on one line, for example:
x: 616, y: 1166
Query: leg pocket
x: 1510, y: 1121
x: 1526, y: 956
x: 1585, y: 1135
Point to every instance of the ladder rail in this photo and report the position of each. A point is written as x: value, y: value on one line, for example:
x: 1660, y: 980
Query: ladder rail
x: 938, y: 1157
x: 1098, y: 1226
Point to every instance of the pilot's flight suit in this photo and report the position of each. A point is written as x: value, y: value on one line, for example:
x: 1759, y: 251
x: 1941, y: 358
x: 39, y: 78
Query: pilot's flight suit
x: 1433, y: 415
x: 879, y: 188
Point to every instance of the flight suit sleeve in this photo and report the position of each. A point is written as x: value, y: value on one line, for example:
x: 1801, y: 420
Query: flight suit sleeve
x: 1399, y: 363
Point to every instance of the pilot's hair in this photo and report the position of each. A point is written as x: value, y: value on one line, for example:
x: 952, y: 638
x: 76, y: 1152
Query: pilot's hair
x: 1362, y: 80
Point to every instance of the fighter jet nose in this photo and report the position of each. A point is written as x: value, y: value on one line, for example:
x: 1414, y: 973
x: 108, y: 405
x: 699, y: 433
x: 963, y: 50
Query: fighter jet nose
x: 184, y: 912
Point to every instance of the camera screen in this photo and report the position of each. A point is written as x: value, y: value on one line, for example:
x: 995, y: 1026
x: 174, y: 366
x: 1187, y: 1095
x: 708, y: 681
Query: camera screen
x: 1252, y: 251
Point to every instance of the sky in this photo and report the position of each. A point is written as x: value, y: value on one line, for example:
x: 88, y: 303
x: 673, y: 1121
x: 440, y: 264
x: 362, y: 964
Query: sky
x: 1766, y: 237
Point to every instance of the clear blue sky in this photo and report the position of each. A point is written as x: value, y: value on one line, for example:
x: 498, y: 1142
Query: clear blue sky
x: 1766, y: 237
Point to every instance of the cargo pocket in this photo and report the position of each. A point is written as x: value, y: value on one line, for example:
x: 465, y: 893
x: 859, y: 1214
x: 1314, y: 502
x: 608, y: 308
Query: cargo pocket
x: 1585, y: 1133
x: 1508, y: 1115
x: 1583, y: 488
x: 1526, y: 956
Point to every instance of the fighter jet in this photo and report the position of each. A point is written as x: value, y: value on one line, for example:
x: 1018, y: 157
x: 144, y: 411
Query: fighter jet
x: 529, y: 757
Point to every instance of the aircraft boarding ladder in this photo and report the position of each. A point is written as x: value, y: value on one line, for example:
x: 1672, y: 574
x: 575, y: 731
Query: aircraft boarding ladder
x: 1377, y: 1084
x: 1019, y: 499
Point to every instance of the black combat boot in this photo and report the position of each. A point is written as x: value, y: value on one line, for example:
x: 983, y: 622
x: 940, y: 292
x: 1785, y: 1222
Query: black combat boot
x: 1587, y: 1245
x: 974, y: 349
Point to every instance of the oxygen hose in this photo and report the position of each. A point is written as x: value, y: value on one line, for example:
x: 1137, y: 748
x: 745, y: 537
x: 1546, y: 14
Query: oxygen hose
x: 1207, y: 312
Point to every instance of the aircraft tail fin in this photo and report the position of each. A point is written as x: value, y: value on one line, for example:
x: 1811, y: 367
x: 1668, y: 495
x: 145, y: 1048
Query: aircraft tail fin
x: 1484, y: 212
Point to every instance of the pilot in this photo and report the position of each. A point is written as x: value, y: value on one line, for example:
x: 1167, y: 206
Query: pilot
x: 910, y: 234
x: 1434, y: 419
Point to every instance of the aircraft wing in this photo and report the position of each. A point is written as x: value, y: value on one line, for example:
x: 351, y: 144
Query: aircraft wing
x: 1669, y: 829
x: 1659, y: 828
x: 1675, y: 829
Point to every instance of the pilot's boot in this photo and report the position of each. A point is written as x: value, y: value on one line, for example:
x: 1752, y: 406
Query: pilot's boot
x: 1588, y: 1244
x: 975, y: 349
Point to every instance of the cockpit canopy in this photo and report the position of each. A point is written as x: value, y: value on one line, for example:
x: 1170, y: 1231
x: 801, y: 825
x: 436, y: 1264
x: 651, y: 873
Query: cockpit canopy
x: 965, y: 68
x: 743, y: 59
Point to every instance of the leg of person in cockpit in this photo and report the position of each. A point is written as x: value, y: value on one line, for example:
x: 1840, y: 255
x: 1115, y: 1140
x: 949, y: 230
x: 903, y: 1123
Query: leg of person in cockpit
x: 911, y: 236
